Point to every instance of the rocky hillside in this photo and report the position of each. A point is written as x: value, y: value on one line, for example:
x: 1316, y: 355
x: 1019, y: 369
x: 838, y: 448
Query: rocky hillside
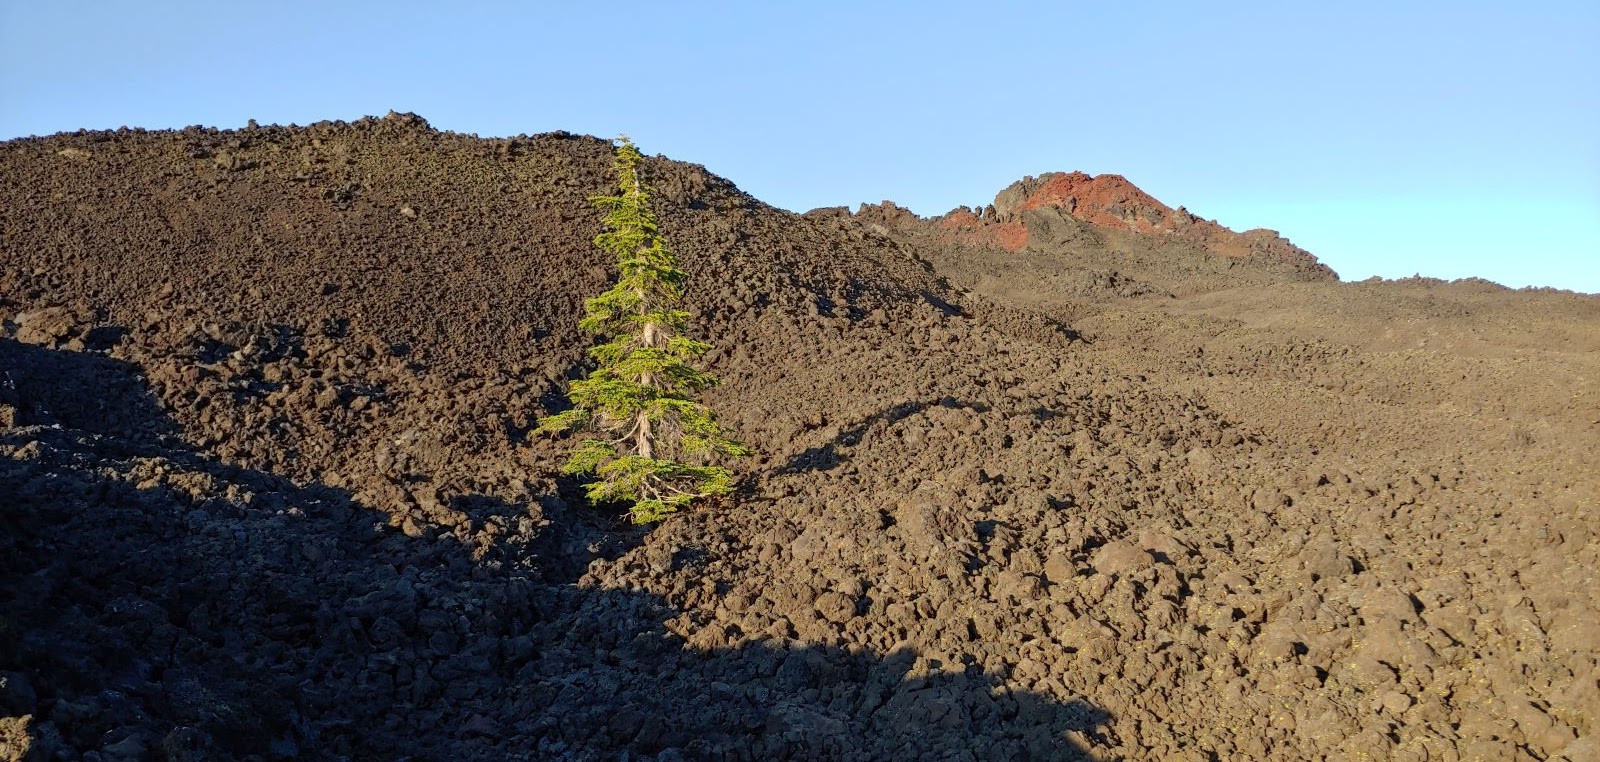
x: 1024, y: 214
x: 1077, y: 476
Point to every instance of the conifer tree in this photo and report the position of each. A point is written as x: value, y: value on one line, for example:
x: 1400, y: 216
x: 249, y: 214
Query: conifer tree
x: 648, y: 441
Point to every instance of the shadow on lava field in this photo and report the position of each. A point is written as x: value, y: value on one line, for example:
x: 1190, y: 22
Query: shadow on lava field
x: 157, y: 601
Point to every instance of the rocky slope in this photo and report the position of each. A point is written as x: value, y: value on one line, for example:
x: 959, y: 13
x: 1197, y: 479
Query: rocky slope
x: 1135, y: 487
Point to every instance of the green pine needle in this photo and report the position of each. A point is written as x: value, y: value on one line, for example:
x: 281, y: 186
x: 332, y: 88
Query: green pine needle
x: 638, y: 421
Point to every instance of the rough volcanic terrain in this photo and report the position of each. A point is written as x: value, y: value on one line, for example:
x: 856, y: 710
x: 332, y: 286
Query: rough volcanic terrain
x: 1074, y: 476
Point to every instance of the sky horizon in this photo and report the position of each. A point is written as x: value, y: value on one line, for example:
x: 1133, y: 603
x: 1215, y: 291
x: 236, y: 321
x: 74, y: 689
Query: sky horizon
x: 1448, y: 141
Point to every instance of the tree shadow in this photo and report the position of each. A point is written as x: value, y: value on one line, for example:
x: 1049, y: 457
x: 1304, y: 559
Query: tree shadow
x: 827, y: 456
x: 947, y: 308
x: 156, y: 603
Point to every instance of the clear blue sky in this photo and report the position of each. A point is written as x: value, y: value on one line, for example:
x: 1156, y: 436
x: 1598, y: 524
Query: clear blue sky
x: 1450, y: 139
